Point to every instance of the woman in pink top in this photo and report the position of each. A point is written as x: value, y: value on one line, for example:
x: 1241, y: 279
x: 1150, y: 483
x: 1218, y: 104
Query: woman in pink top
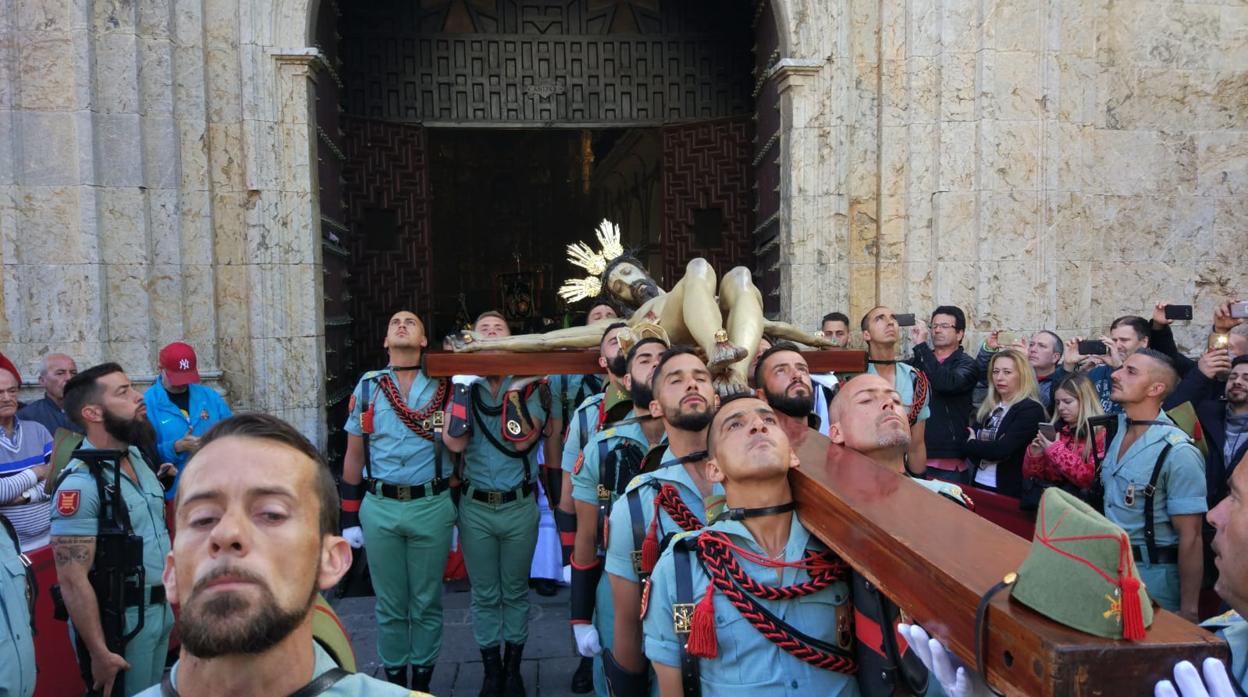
x: 1070, y: 460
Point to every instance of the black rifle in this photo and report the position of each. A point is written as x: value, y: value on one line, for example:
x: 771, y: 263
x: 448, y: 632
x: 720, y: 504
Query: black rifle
x: 118, y: 565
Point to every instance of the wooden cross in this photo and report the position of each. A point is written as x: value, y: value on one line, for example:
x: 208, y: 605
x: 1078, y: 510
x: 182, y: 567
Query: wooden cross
x: 935, y: 559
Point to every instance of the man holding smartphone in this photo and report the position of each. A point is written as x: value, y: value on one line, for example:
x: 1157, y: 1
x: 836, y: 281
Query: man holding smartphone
x: 953, y: 374
x: 1127, y: 334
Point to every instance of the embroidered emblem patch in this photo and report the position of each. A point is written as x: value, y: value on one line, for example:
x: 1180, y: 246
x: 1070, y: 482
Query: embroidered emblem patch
x: 67, y: 501
x: 645, y: 597
x: 580, y: 462
x: 203, y: 415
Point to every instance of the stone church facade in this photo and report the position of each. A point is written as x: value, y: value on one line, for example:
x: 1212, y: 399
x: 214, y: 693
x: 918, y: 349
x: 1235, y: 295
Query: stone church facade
x: 1041, y: 163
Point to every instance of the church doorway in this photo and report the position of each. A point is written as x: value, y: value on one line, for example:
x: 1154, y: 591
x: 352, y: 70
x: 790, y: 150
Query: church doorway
x: 465, y: 143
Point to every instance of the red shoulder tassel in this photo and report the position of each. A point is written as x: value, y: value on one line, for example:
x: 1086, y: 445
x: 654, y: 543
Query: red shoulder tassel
x: 702, y: 642
x: 650, y: 545
x: 1132, y: 612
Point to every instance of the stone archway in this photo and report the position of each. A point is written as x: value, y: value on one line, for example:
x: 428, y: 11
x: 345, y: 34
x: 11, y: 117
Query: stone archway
x: 282, y: 151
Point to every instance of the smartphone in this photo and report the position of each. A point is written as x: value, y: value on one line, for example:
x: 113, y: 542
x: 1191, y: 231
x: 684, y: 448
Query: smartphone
x: 1093, y: 348
x: 1049, y: 431
x: 1219, y: 341
x: 1239, y: 310
x: 1179, y: 312
x: 905, y: 320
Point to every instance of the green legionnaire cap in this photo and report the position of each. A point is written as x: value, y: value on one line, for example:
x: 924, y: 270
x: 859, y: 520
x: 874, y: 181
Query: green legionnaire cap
x: 1080, y: 571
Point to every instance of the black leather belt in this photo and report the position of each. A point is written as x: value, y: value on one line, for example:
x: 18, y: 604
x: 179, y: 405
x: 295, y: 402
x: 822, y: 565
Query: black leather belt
x: 155, y: 595
x: 404, y: 492
x: 1164, y: 555
x: 498, y: 498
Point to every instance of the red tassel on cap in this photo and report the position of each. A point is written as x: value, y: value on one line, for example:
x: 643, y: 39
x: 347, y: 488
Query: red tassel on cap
x: 650, y: 545
x: 1132, y: 610
x: 702, y: 642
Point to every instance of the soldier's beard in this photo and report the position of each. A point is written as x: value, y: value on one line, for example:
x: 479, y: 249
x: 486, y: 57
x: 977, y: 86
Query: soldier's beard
x: 231, y: 623
x: 798, y: 406
x: 640, y: 394
x: 136, y: 431
x: 618, y: 365
x: 688, y: 420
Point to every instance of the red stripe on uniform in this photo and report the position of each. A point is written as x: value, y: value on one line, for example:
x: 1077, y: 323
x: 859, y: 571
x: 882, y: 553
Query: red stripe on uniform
x: 351, y: 505
x: 567, y: 538
x: 868, y: 632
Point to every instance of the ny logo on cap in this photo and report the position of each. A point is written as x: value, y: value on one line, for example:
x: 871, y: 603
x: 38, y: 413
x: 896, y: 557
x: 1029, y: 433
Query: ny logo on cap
x: 184, y: 364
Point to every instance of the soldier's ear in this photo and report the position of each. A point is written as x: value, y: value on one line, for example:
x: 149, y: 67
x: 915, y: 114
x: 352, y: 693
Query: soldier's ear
x: 335, y: 562
x: 656, y: 409
x: 170, y: 579
x: 835, y: 434
x: 713, y: 473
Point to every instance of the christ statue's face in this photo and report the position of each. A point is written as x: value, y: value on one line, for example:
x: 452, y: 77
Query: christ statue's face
x: 632, y: 284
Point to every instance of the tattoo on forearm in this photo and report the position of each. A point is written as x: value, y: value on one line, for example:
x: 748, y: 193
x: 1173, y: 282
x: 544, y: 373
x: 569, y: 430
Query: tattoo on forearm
x: 73, y: 550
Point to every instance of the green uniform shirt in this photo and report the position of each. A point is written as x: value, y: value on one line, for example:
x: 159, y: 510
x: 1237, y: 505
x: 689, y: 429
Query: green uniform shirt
x: 747, y: 660
x: 17, y: 647
x: 354, y: 685
x: 485, y: 467
x: 620, y: 540
x: 396, y: 453
x: 76, y: 508
x: 1180, y: 487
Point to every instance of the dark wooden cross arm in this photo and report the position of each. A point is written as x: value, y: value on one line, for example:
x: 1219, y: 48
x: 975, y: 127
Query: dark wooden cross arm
x: 585, y: 362
x: 935, y: 559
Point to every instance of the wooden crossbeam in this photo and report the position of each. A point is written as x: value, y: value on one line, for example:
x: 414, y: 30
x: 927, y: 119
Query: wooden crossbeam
x: 442, y: 364
x: 935, y: 559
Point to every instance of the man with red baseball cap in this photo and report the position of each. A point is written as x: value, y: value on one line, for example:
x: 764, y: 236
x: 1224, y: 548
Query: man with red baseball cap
x: 180, y: 408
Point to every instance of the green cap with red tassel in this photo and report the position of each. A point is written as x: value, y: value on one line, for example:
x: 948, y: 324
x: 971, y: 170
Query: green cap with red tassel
x: 1080, y: 571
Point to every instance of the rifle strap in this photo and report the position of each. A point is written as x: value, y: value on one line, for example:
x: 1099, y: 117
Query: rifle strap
x: 690, y: 669
x: 1150, y: 537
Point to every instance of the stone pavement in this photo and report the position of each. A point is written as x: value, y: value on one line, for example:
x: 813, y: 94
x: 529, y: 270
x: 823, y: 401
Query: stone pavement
x: 549, y: 657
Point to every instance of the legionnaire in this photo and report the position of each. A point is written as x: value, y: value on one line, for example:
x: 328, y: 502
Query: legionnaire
x: 1154, y: 482
x: 672, y: 495
x: 881, y: 332
x: 396, y: 500
x: 109, y: 537
x: 1230, y: 519
x: 591, y: 414
x: 498, y: 514
x: 753, y: 601
x: 567, y: 393
x: 17, y: 611
x: 257, y: 517
x: 782, y: 377
x: 610, y: 460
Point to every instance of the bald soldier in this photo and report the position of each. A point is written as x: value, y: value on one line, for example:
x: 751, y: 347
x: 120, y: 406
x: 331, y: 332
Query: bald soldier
x: 256, y: 539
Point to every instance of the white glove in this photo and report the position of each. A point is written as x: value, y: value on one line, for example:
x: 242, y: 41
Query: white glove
x: 586, y: 640
x: 1215, y: 684
x: 354, y: 537
x: 946, y: 668
x: 567, y: 574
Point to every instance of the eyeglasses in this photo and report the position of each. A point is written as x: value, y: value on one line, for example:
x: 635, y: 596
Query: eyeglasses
x: 943, y: 325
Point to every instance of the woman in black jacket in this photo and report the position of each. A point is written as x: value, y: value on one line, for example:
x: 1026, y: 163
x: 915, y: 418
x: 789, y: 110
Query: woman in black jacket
x: 1007, y: 422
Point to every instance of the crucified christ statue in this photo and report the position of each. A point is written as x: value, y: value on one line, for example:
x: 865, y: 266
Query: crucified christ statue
x: 727, y: 326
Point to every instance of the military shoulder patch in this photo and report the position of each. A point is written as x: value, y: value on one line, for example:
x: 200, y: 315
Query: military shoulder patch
x: 580, y: 462
x: 1177, y: 437
x: 645, y: 597
x: 351, y: 404
x: 68, y: 501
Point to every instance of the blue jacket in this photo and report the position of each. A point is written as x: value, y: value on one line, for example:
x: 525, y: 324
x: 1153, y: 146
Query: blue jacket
x: 207, y: 408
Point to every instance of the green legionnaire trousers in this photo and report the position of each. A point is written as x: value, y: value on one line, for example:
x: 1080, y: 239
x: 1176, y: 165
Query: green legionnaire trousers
x: 408, y: 542
x: 498, y: 544
x: 147, y: 651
